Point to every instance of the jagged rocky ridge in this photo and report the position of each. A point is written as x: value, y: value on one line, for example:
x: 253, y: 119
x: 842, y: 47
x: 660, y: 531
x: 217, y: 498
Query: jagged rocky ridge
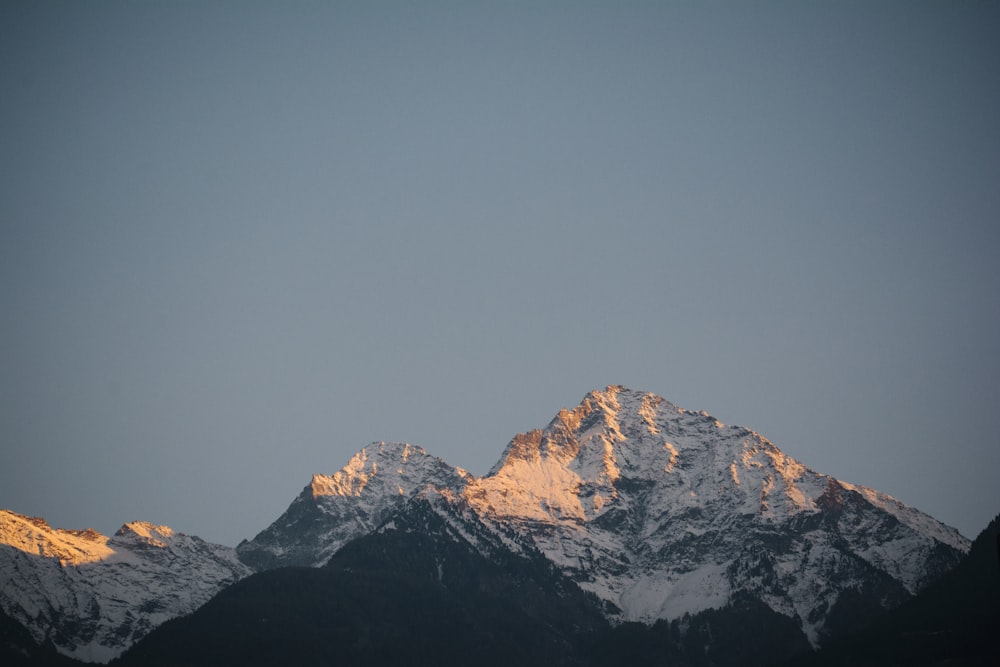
x: 660, y: 513
x: 93, y: 596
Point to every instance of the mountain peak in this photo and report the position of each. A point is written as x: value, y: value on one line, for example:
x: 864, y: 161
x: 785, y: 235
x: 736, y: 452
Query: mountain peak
x: 576, y: 467
x: 334, y: 509
x: 590, y: 437
x: 385, y: 464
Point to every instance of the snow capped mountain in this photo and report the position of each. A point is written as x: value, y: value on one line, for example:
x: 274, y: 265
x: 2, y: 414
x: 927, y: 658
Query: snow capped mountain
x: 92, y: 595
x: 662, y: 512
x: 335, y: 509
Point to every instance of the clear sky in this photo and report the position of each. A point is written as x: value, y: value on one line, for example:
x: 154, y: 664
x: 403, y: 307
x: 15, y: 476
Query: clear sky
x: 240, y: 241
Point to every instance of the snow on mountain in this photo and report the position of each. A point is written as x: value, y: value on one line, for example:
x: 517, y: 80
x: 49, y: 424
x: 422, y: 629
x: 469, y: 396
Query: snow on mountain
x: 661, y: 512
x: 334, y: 509
x: 34, y: 535
x: 94, y: 596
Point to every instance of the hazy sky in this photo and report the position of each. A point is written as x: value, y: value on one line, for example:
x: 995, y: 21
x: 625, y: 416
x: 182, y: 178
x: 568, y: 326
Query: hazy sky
x: 239, y: 242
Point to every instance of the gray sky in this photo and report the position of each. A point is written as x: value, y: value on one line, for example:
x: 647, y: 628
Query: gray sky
x: 239, y: 242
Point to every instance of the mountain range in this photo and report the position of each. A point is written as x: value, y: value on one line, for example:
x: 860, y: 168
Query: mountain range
x: 627, y: 509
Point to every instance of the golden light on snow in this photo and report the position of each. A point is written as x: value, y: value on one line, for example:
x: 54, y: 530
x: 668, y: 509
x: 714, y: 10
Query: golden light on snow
x: 36, y: 537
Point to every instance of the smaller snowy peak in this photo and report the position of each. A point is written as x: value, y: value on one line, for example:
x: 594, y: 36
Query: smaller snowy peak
x: 385, y: 467
x: 334, y: 509
x: 34, y: 536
